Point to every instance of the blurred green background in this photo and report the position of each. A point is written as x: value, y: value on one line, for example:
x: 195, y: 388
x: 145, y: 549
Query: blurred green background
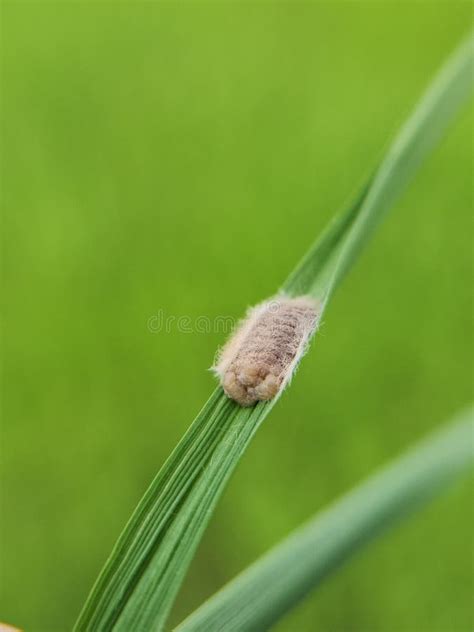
x: 182, y: 157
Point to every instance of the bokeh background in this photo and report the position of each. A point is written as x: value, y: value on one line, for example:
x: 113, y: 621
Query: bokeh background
x: 182, y: 157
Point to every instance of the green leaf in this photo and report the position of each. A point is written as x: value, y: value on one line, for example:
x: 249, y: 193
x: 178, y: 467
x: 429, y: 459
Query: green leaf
x: 144, y: 572
x: 265, y: 591
x: 324, y: 266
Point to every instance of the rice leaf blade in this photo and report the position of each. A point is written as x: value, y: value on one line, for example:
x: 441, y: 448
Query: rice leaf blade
x: 143, y: 574
x: 272, y: 585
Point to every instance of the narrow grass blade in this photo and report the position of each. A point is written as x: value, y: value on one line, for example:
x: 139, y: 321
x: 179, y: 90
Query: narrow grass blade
x: 141, y: 578
x: 270, y: 587
x: 324, y: 266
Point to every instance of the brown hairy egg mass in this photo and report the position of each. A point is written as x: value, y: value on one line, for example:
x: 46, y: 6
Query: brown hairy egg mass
x: 261, y: 355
